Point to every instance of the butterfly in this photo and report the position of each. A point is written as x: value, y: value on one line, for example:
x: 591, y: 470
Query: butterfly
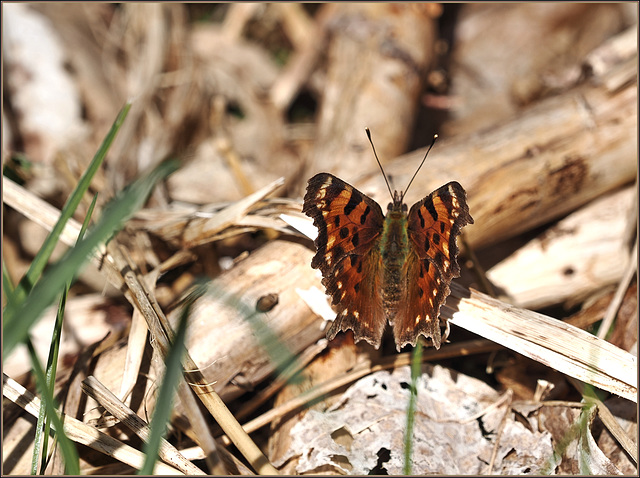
x: 395, y: 268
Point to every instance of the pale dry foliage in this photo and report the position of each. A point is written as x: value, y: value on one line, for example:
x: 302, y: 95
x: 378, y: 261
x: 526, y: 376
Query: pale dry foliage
x: 536, y: 109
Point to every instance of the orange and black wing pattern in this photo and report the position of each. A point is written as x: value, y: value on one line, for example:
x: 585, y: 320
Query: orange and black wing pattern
x: 349, y: 226
x: 434, y: 225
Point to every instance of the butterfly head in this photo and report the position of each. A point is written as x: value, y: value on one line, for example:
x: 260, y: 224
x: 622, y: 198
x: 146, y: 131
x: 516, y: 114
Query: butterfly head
x: 398, y: 203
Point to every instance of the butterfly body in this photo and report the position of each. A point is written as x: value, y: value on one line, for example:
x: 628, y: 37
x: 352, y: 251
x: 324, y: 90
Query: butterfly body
x: 394, y: 251
x: 394, y: 268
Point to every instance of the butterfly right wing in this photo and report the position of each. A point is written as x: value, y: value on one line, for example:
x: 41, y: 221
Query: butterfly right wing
x: 434, y: 225
x: 349, y: 227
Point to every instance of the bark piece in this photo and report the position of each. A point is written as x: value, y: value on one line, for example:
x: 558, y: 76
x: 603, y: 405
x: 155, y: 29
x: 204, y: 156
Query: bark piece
x: 582, y: 253
x: 376, y: 57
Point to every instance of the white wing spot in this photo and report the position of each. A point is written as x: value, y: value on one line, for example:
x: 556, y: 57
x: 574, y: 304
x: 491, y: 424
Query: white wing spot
x: 339, y: 285
x: 418, y: 319
x: 356, y: 314
x: 427, y: 318
x: 454, y: 213
x: 445, y: 247
x: 328, y: 258
x: 446, y: 264
x: 345, y: 312
x: 438, y: 280
x: 330, y: 241
x: 344, y: 292
x: 455, y: 202
x: 434, y: 292
x: 322, y: 192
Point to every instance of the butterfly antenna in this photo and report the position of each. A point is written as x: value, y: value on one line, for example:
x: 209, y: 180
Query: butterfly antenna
x: 376, y: 155
x: 435, y: 136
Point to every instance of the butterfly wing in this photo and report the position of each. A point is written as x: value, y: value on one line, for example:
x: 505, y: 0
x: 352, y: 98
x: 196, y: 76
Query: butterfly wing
x: 349, y: 226
x: 434, y: 224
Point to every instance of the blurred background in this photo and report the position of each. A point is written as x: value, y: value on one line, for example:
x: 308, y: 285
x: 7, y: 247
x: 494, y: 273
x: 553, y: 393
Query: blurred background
x: 535, y: 105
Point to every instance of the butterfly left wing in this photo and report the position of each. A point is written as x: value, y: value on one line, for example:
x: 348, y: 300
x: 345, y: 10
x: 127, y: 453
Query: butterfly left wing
x: 349, y: 225
x: 434, y: 224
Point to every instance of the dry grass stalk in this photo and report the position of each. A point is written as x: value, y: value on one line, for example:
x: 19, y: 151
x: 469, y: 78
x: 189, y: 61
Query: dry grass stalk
x: 137, y: 337
x: 218, y: 460
x: 616, y: 430
x: 508, y: 397
x: 136, y: 341
x: 150, y: 311
x: 554, y: 343
x: 201, y: 230
x: 167, y: 452
x: 81, y: 432
x: 162, y: 334
x: 46, y: 215
x: 39, y: 211
x: 612, y: 310
x: 170, y: 226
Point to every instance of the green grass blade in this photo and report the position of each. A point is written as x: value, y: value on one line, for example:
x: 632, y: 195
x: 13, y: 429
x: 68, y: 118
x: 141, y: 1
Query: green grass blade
x: 416, y: 366
x: 69, y: 452
x: 7, y: 284
x: 44, y: 421
x: 162, y: 412
x: 16, y: 167
x: 52, y: 365
x: 42, y: 258
x: 20, y: 318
